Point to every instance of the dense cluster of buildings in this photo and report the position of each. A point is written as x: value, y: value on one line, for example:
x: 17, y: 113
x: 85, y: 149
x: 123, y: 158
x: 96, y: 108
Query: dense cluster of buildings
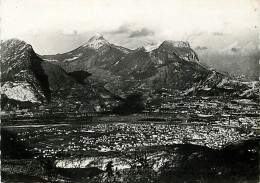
x: 129, y: 136
x: 207, y: 121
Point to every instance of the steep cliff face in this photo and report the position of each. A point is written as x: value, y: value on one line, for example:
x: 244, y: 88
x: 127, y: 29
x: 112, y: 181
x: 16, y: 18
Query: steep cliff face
x: 181, y: 49
x: 18, y: 80
x: 28, y: 78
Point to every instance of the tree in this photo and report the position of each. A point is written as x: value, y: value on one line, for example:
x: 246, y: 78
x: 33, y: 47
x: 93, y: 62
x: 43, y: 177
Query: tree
x: 132, y: 104
x: 109, y: 169
x: 12, y: 147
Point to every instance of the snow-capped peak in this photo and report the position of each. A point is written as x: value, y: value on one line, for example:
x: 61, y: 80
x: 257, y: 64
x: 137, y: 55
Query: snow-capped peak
x: 141, y: 49
x: 96, y: 42
x: 151, y: 46
x: 234, y: 45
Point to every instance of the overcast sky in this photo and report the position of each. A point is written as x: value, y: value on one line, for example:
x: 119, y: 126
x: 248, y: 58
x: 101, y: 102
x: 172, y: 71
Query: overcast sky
x: 56, y: 26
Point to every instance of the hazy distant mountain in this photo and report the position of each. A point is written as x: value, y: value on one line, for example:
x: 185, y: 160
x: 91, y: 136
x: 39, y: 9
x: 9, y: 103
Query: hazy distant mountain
x: 236, y: 58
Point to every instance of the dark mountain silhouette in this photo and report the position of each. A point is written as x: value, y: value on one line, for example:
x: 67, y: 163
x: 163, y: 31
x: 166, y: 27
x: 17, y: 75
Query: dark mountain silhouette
x: 28, y: 78
x: 99, y: 71
x: 173, y: 65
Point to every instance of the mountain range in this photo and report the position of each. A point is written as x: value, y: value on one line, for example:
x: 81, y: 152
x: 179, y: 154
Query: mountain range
x: 28, y: 78
x: 99, y: 72
x: 236, y: 58
x: 172, y: 65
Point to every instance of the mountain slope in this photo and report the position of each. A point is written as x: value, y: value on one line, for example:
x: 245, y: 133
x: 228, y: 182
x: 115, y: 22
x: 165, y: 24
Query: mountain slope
x: 28, y: 78
x: 17, y: 73
x: 97, y: 52
x: 172, y: 65
x: 237, y: 58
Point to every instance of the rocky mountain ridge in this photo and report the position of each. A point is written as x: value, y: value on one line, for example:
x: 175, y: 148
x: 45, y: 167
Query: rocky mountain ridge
x: 28, y: 78
x: 99, y: 71
x: 121, y: 69
x: 172, y: 64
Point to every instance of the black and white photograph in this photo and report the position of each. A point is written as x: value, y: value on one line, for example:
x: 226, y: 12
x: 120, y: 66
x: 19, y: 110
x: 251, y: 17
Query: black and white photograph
x: 130, y: 91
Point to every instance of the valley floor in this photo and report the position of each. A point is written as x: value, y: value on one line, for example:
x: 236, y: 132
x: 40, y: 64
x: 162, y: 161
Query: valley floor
x: 217, y: 143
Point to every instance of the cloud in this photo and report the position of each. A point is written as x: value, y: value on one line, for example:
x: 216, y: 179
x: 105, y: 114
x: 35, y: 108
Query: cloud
x: 121, y: 30
x: 196, y: 34
x: 218, y: 34
x: 141, y: 33
x: 234, y: 49
x: 201, y: 48
x: 120, y: 21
